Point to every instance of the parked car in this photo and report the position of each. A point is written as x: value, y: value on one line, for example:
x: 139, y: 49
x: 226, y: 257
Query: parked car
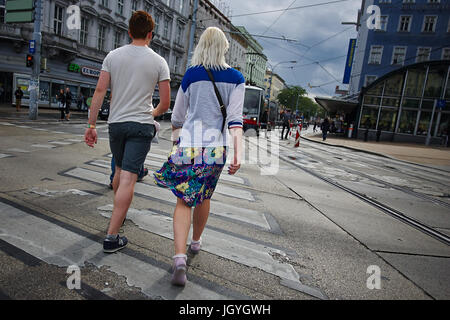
x: 104, y: 110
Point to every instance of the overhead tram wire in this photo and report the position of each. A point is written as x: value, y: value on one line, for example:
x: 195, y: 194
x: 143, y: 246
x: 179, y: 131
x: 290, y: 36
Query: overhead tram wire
x: 278, y: 18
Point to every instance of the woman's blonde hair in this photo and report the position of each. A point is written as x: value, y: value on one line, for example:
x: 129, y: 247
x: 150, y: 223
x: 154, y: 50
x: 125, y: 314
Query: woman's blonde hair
x: 210, y: 50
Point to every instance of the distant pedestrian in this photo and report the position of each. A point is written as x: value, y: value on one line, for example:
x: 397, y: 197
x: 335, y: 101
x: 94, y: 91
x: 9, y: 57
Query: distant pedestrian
x: 133, y: 71
x: 199, y: 154
x: 286, y: 121
x: 325, y: 127
x: 315, y: 125
x: 68, y: 103
x: 19, y: 94
x: 264, y: 121
x: 61, y: 98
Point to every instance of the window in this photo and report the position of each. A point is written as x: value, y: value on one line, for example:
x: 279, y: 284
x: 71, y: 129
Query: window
x: 180, y: 33
x: 376, y: 52
x: 398, y: 55
x: 120, y: 6
x: 177, y: 64
x: 166, y: 30
x: 385, y: 1
x: 434, y: 1
x: 84, y: 31
x: 429, y: 24
x: 369, y: 116
x: 415, y: 82
x: 58, y: 20
x: 117, y: 39
x: 157, y: 19
x: 404, y: 23
x: 448, y: 26
x: 409, y: 1
x: 167, y: 3
x: 383, y: 23
x: 2, y: 11
x: 423, y: 54
x: 424, y: 122
x: 435, y: 81
x: 445, y: 54
x: 134, y: 5
x: 387, y: 119
x: 408, y: 120
x: 101, y: 37
x: 443, y: 125
x: 369, y: 80
x: 105, y: 3
x: 181, y: 6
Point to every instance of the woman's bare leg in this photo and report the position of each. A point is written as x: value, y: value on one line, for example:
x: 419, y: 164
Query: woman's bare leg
x: 181, y: 226
x: 201, y: 213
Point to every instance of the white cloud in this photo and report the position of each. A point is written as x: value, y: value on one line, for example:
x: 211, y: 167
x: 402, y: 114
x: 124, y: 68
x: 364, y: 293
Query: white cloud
x: 309, y: 26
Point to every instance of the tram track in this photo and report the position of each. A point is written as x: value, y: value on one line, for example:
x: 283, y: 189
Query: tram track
x: 420, y: 226
x: 436, y: 171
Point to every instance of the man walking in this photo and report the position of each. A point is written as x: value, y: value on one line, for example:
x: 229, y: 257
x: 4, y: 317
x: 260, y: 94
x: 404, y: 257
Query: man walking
x: 286, y: 123
x: 132, y: 72
x: 68, y: 103
x: 19, y: 94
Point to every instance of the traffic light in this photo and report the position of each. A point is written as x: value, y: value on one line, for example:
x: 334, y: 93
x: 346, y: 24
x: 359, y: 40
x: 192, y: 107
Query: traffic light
x: 29, y: 60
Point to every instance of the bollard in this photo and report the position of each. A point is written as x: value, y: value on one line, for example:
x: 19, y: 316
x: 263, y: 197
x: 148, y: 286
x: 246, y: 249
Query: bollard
x: 297, y: 137
x: 350, y: 131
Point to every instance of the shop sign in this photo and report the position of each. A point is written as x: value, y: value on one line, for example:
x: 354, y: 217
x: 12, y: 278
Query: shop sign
x: 73, y: 67
x: 90, y: 72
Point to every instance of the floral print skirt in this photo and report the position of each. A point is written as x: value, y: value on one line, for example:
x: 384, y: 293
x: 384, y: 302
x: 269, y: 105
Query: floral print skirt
x: 192, y: 172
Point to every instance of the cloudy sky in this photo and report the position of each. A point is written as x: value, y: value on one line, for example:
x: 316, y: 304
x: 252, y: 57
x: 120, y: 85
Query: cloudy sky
x: 310, y: 27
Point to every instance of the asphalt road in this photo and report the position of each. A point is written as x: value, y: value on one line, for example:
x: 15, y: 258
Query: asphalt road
x: 277, y: 232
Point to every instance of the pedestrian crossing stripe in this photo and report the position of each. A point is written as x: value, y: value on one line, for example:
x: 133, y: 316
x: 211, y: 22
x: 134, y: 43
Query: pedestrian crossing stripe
x: 63, y: 247
x: 242, y: 251
x: 220, y: 209
x: 4, y: 155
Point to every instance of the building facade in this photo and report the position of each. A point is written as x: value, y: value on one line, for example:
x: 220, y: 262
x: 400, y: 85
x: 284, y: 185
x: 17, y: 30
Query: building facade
x: 208, y: 15
x: 256, y: 61
x: 74, y: 57
x: 410, y: 31
x: 278, y: 84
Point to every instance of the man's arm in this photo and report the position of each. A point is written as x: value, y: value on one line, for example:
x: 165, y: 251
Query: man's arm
x: 164, y: 98
x: 90, y: 135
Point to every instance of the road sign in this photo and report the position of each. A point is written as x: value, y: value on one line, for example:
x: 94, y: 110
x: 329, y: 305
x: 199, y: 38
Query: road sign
x: 32, y: 46
x: 19, y: 11
x: 441, y: 103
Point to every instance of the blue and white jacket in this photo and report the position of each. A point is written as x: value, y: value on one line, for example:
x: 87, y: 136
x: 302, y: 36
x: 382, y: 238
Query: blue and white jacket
x: 197, y: 109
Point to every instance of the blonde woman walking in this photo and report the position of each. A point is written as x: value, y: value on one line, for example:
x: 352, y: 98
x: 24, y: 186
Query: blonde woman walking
x: 199, y: 127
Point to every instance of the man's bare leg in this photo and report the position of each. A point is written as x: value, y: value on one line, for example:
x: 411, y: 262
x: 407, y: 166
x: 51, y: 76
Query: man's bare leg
x: 122, y: 199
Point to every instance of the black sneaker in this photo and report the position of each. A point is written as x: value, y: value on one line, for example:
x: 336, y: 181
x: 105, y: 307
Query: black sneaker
x: 139, y: 179
x: 110, y: 246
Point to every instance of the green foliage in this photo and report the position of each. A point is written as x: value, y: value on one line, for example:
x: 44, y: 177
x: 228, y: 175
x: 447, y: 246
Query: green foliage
x: 288, y: 97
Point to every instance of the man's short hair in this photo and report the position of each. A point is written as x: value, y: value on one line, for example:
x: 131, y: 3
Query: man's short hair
x: 141, y: 23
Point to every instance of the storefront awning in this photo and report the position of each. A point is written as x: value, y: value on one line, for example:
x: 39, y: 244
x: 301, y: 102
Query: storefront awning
x: 335, y: 105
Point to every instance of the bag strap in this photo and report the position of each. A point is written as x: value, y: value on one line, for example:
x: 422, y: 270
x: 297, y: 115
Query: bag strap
x: 219, y: 98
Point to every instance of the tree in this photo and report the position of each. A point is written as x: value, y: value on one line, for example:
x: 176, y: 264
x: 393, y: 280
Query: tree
x: 295, y: 98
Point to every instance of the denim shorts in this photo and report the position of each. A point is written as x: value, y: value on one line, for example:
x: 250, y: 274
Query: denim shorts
x: 130, y: 142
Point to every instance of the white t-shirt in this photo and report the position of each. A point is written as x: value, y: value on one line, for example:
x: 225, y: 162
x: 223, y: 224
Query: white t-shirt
x: 135, y: 71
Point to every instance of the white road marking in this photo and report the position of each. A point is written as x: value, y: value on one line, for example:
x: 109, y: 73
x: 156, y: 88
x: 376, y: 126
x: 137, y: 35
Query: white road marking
x: 47, y: 146
x: 242, y: 251
x: 18, y: 150
x: 6, y: 124
x: 59, y: 246
x: 64, y: 143
x: 4, y: 155
x: 218, y: 208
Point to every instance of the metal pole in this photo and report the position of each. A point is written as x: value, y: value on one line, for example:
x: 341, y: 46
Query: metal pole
x: 192, y: 33
x: 34, y: 83
x: 427, y: 141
